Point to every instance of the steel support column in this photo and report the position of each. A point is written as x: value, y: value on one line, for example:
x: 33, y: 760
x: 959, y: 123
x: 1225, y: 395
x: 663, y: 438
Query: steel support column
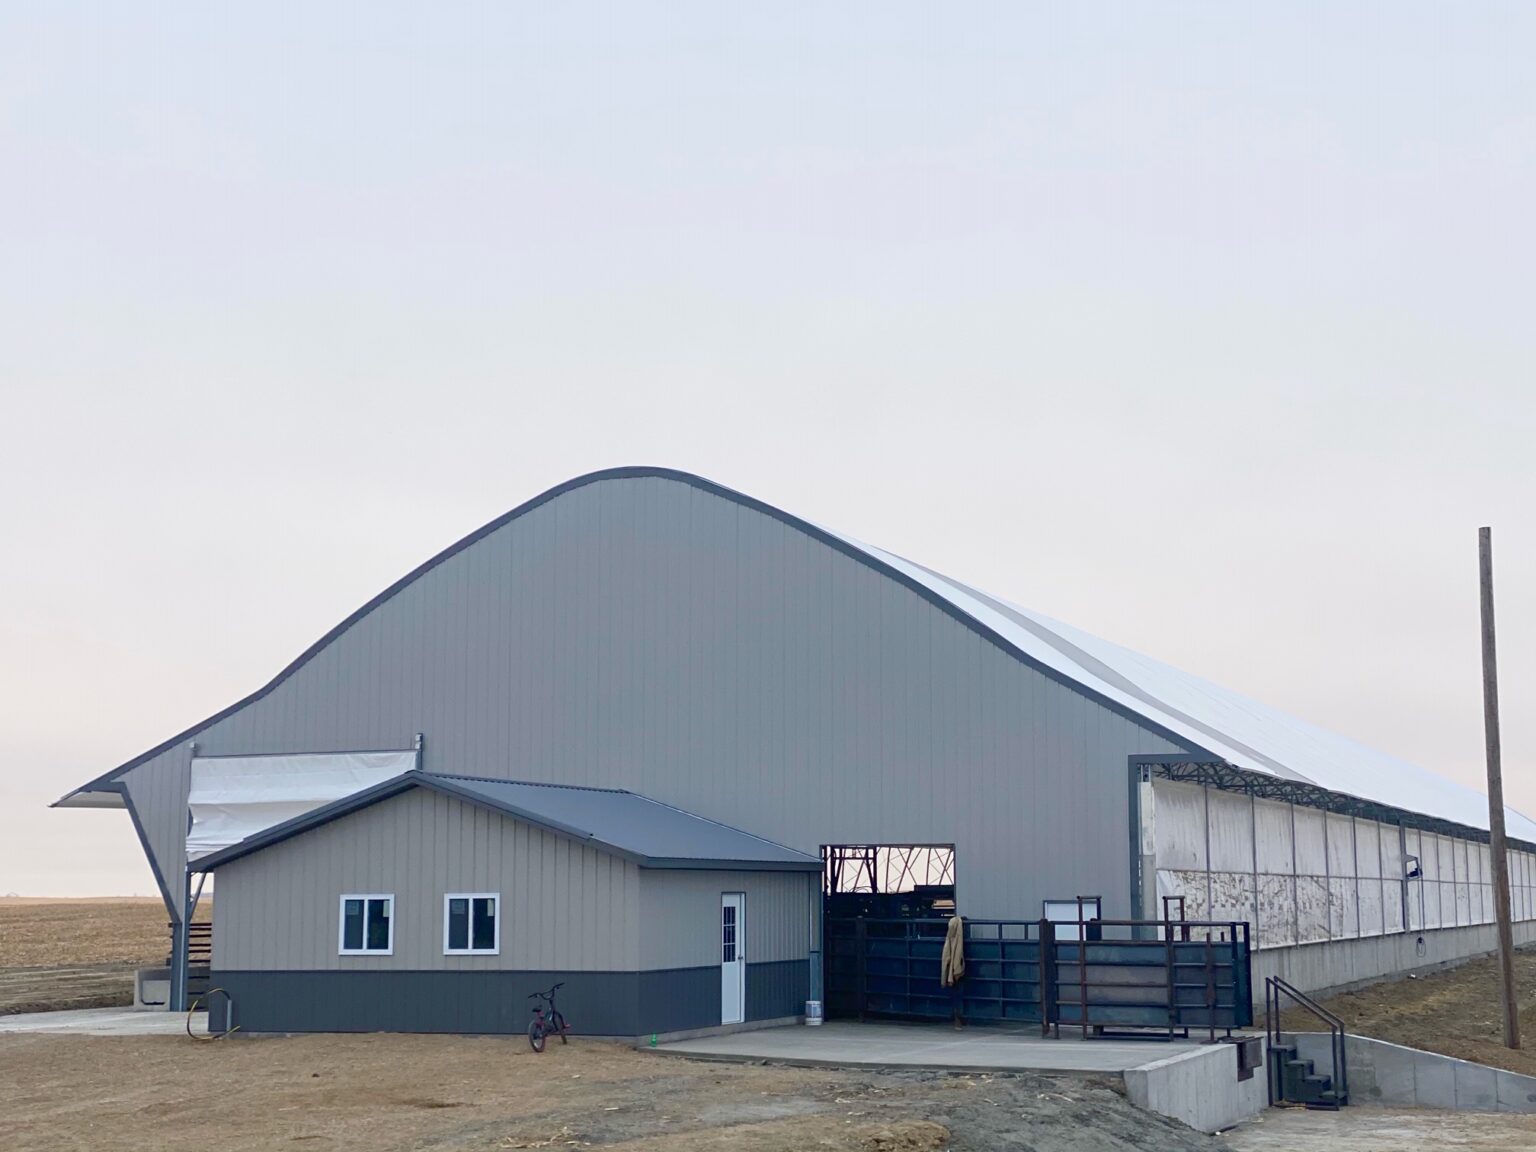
x: 178, y: 997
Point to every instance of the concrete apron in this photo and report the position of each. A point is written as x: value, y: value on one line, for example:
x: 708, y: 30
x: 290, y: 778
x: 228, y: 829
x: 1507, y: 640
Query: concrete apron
x: 104, y: 1022
x: 1390, y: 1075
x: 1196, y: 1084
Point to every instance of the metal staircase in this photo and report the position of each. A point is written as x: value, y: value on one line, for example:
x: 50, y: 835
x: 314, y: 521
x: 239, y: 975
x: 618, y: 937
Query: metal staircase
x: 1293, y: 1079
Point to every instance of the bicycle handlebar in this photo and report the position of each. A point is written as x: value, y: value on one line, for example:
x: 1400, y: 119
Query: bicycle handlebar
x: 546, y: 995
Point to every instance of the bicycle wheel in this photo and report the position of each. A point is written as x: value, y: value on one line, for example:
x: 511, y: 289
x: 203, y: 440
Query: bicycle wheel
x: 536, y: 1035
x: 561, y: 1027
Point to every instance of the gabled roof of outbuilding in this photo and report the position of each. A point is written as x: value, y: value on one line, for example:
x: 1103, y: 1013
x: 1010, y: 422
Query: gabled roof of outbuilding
x: 652, y: 834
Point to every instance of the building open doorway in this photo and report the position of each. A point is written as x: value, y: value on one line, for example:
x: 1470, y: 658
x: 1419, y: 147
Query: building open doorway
x: 865, y: 888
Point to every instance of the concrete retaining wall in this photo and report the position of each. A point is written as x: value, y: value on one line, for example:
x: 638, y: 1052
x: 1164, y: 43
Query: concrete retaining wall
x: 1199, y: 1088
x: 1341, y: 965
x: 1389, y: 1075
x: 152, y: 988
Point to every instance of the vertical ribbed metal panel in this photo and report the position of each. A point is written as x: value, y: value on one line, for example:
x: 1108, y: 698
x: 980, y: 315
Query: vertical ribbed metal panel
x: 158, y: 791
x: 644, y: 634
x: 680, y: 916
x: 564, y: 905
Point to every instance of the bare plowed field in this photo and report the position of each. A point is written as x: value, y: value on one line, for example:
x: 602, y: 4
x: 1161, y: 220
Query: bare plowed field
x: 78, y: 953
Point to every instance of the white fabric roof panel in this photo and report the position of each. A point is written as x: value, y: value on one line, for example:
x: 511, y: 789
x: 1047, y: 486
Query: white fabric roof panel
x: 234, y: 797
x: 1241, y: 731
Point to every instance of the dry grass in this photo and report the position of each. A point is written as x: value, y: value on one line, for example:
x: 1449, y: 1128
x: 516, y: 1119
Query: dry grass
x: 1454, y: 1012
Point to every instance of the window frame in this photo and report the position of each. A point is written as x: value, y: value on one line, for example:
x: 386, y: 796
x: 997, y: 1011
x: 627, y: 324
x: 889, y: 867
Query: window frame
x: 341, y: 924
x: 495, y: 948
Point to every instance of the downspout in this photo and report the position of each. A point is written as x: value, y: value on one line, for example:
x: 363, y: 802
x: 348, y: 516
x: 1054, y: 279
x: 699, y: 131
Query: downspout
x: 1143, y: 837
x: 817, y: 912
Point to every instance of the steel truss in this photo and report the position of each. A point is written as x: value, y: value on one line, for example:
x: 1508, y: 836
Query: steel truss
x: 1230, y: 778
x: 882, y: 868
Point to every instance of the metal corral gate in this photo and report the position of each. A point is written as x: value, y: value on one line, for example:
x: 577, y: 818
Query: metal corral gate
x: 1167, y: 976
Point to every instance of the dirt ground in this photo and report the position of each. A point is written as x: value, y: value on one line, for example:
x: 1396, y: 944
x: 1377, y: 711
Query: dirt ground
x: 381, y: 1093
x: 78, y: 953
x: 1383, y: 1130
x: 1454, y: 1012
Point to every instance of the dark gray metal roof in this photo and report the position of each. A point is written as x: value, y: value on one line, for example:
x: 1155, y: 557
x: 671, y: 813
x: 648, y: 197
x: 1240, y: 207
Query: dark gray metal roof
x: 653, y: 834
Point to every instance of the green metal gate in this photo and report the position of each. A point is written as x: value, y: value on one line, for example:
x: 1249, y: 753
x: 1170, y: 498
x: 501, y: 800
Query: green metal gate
x: 1112, y: 977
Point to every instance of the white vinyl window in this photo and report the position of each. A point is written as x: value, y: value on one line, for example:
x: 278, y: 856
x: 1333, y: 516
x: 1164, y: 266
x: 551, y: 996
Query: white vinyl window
x: 472, y: 924
x: 367, y: 925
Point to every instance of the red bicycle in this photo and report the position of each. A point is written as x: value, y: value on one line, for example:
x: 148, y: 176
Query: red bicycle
x: 542, y: 1026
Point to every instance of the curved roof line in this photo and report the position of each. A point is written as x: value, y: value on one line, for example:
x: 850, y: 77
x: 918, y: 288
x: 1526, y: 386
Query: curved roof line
x: 838, y: 543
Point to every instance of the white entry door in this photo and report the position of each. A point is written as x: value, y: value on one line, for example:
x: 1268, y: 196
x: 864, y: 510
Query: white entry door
x: 733, y: 961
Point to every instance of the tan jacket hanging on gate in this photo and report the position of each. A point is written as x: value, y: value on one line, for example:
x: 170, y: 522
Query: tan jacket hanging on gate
x: 952, y: 965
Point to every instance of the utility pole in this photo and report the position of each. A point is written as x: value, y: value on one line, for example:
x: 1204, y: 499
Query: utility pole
x: 1496, y: 798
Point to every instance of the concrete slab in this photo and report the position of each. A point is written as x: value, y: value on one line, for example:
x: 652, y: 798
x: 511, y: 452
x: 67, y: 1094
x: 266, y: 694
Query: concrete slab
x: 1194, y: 1083
x: 103, y: 1022
x: 1382, y: 1130
x: 842, y: 1044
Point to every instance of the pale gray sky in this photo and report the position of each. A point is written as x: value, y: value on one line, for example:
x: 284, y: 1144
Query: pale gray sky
x: 1205, y: 328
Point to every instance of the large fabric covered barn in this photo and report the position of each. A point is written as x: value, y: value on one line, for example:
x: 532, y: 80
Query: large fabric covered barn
x: 651, y: 633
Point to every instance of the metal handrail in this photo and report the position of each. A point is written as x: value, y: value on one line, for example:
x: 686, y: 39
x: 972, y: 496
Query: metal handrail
x: 1273, y: 987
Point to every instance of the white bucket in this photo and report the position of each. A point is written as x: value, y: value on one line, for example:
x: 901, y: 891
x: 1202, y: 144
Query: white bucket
x: 812, y: 1013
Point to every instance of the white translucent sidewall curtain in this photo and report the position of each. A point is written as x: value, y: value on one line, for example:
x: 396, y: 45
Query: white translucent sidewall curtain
x: 1300, y: 875
x: 233, y: 797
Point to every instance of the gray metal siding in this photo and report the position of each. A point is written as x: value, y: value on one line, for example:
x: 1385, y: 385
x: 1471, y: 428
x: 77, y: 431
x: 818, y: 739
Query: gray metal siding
x: 564, y: 905
x: 680, y: 916
x: 158, y: 791
x: 777, y: 990
x: 645, y: 634
x: 594, y: 1003
x: 678, y: 999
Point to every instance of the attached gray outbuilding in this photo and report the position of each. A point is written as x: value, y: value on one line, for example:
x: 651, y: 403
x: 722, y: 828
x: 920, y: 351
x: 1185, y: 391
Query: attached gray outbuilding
x: 436, y: 903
